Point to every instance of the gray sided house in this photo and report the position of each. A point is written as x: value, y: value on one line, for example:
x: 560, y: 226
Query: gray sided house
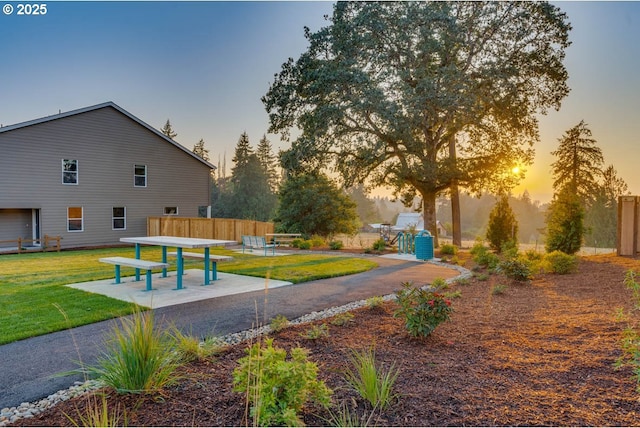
x: 93, y: 176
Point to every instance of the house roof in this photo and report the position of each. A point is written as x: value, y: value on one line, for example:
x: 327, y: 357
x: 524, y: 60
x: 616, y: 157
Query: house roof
x: 97, y: 107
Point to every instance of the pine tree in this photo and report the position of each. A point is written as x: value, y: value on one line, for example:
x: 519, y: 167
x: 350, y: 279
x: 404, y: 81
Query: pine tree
x: 200, y: 150
x: 268, y: 161
x: 565, y: 223
x: 579, y: 165
x: 168, y: 130
x: 503, y: 227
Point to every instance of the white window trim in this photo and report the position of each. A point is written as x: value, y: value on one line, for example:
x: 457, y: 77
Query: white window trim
x: 81, y: 219
x: 123, y: 218
x: 146, y: 174
x: 77, y: 172
x: 164, y: 211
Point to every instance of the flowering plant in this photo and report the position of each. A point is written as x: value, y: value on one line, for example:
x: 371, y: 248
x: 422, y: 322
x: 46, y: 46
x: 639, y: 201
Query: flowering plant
x: 422, y: 310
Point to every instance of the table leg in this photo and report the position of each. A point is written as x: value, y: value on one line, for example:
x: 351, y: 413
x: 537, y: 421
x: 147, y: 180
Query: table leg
x: 180, y: 268
x: 164, y: 260
x: 137, y: 257
x: 206, y: 265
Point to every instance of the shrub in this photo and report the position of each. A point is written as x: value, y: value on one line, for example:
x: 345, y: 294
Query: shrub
x: 517, y: 269
x: 559, y: 262
x: 439, y: 283
x: 191, y: 348
x: 277, y: 387
x: 374, y: 384
x: 336, y: 245
x: 374, y: 302
x: 498, y: 289
x: 421, y: 310
x: 379, y: 245
x: 503, y: 226
x: 565, y: 223
x: 317, y: 241
x: 342, y: 319
x: 296, y: 242
x: 279, y: 322
x: 484, y: 257
x: 304, y: 245
x: 448, y: 249
x: 316, y: 332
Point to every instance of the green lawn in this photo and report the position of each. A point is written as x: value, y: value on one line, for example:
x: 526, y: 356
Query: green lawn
x: 34, y: 301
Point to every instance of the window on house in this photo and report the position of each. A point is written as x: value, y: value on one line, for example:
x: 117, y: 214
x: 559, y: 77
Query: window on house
x: 69, y: 171
x: 140, y: 175
x: 119, y: 218
x: 74, y: 219
x: 170, y: 210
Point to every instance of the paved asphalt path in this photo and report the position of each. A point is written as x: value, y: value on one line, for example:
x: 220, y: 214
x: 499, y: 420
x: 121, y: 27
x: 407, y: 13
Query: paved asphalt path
x: 30, y: 369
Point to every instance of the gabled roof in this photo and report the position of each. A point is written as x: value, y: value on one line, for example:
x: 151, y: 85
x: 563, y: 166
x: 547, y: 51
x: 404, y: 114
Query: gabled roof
x: 100, y: 106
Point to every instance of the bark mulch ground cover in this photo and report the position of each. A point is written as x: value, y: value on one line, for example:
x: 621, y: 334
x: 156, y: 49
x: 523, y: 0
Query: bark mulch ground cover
x: 538, y: 353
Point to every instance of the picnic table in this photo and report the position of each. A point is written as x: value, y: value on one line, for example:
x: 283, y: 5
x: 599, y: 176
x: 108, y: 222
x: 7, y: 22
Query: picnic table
x: 179, y: 243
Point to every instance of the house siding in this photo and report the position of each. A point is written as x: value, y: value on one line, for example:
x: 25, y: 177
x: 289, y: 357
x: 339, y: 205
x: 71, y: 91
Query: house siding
x: 107, y: 144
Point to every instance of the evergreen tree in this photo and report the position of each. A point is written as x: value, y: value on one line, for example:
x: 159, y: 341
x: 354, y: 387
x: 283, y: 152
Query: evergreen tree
x: 168, y: 130
x: 565, y: 223
x: 313, y: 204
x: 503, y: 227
x: 579, y: 163
x: 268, y: 161
x: 200, y: 150
x: 247, y: 194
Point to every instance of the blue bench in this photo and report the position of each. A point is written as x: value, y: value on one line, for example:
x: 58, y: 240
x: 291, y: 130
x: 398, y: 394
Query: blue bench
x: 257, y: 242
x: 134, y: 263
x: 213, y: 258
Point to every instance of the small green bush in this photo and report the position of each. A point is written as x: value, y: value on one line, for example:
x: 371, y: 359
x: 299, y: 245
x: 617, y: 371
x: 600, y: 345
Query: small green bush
x: 316, y: 332
x: 317, y: 241
x: 374, y: 302
x: 483, y: 257
x: 342, y: 319
x: 276, y: 387
x: 448, y: 249
x: 379, y: 245
x: 517, y: 269
x: 421, y: 310
x: 304, y: 245
x: 296, y: 242
x: 498, y: 289
x: 559, y: 262
x: 278, y: 323
x: 336, y: 245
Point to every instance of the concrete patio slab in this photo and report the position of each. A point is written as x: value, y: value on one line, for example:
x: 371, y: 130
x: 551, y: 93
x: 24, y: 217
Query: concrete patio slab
x: 164, y: 291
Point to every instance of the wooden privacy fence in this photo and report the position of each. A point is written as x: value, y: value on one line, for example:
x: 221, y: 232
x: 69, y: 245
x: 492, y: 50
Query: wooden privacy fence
x: 207, y: 228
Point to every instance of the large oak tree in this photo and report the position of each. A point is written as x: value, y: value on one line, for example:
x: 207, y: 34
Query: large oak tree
x: 422, y: 96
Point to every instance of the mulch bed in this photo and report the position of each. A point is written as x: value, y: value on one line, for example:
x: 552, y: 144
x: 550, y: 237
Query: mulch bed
x: 540, y: 353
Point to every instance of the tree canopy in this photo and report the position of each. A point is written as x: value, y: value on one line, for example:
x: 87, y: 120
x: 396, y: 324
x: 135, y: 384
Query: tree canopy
x: 419, y: 95
x: 313, y: 204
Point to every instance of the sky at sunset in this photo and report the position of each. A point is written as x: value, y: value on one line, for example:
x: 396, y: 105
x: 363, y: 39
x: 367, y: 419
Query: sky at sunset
x: 205, y: 65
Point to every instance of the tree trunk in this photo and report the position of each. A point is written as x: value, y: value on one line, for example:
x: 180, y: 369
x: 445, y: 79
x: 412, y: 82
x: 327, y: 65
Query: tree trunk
x: 455, y: 215
x: 455, y: 200
x: 429, y: 210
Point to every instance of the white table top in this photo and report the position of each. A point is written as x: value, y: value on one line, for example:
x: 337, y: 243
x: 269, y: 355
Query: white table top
x: 177, y: 241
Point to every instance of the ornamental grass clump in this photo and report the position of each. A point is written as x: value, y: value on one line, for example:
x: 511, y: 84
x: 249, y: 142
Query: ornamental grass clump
x: 371, y: 381
x: 139, y: 358
x: 422, y: 310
